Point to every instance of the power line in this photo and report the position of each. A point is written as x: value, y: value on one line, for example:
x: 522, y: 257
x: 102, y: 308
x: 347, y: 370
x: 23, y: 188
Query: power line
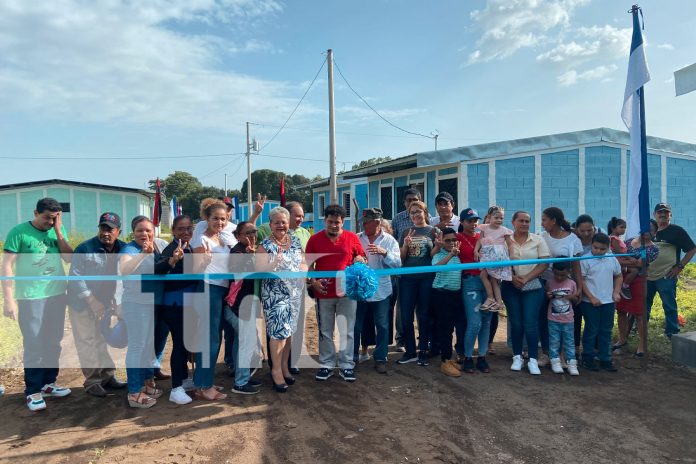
x: 296, y: 106
x: 95, y: 158
x: 302, y: 159
x: 374, y: 110
x: 222, y: 167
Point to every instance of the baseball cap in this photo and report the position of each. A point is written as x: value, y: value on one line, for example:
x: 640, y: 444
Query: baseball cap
x: 371, y: 214
x: 469, y: 213
x: 110, y: 219
x: 444, y: 196
x: 661, y: 206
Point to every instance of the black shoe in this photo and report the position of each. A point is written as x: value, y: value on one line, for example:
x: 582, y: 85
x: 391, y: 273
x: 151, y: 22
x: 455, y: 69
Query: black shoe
x: 115, y: 384
x: 589, y: 364
x: 347, y: 374
x: 323, y: 374
x: 254, y: 383
x: 468, y: 366
x: 482, y: 365
x: 245, y: 389
x: 407, y: 358
x: 608, y: 366
x: 294, y: 371
x: 423, y: 359
x: 290, y: 380
x: 282, y: 388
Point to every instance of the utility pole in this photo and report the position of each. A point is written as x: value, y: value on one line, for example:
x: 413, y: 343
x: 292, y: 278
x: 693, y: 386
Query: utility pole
x: 435, y: 135
x: 332, y: 132
x: 248, y: 155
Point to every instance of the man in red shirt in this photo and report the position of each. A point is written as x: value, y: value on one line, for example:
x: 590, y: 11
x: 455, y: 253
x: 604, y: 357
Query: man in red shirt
x: 338, y: 249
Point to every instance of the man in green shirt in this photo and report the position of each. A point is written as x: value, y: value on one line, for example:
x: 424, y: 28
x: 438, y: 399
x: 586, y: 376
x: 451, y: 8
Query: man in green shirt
x: 35, y: 248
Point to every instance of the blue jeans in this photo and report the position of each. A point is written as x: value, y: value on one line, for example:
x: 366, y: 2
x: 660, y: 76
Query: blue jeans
x: 41, y: 323
x: 561, y: 332
x: 599, y: 322
x: 241, y: 355
x: 523, y: 317
x: 415, y: 293
x: 667, y: 288
x: 206, y: 359
x: 380, y: 310
x: 140, y: 358
x: 478, y: 324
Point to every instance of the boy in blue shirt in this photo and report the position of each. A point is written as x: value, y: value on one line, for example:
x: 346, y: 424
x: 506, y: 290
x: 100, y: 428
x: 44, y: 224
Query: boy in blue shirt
x: 601, y: 291
x: 447, y: 298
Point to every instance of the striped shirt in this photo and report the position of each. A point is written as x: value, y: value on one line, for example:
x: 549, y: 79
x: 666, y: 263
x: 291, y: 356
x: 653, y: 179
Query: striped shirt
x: 447, y: 280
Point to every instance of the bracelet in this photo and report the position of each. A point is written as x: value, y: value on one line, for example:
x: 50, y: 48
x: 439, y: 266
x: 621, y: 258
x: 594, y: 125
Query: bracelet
x: 680, y: 266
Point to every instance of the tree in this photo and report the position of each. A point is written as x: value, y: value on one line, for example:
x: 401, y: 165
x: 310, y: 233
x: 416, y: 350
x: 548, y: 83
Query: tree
x: 179, y: 183
x: 267, y: 182
x: 371, y: 161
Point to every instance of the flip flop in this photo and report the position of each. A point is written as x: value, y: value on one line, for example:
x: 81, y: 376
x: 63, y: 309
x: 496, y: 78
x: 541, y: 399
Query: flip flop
x: 142, y: 401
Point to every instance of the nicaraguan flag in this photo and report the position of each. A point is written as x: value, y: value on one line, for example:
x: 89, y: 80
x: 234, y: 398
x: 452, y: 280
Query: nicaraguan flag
x: 633, y: 115
x: 235, y: 203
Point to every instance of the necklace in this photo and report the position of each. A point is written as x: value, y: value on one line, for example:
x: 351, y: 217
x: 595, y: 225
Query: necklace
x: 283, y: 243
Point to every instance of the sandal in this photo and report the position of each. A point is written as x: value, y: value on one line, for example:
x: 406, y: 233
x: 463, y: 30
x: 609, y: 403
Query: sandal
x: 141, y: 401
x: 491, y: 350
x: 618, y: 346
x: 201, y: 395
x: 638, y: 354
x: 486, y: 306
x: 495, y: 307
x: 151, y: 390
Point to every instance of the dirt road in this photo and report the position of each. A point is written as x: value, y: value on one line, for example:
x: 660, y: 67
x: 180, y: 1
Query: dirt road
x: 414, y: 414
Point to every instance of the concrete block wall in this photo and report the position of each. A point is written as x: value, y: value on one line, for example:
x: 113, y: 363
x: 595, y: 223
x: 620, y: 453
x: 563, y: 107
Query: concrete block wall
x: 477, y: 179
x: 559, y: 182
x: 681, y: 192
x: 514, y: 182
x: 602, y: 183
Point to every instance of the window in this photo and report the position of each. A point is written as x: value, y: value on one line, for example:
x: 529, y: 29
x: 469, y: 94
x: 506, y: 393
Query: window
x: 65, y: 207
x: 322, y: 205
x: 449, y: 186
x: 386, y: 201
x: 346, y: 203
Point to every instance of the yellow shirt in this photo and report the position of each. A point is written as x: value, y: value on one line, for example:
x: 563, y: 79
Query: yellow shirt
x: 533, y: 248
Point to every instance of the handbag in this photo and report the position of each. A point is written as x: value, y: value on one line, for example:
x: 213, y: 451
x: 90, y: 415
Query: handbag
x: 534, y: 284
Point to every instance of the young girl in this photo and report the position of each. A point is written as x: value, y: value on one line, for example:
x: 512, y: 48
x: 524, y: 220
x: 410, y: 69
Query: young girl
x: 616, y: 228
x: 493, y: 246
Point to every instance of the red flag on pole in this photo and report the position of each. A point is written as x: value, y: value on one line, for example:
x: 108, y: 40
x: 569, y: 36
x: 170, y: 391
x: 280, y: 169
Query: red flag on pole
x: 282, y: 191
x: 157, y: 212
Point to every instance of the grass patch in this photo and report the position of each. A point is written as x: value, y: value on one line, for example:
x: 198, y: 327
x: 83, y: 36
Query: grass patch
x: 10, y: 338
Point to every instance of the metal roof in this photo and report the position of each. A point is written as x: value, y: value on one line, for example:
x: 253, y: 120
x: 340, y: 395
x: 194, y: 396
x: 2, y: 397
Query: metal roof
x: 75, y: 184
x: 547, y: 142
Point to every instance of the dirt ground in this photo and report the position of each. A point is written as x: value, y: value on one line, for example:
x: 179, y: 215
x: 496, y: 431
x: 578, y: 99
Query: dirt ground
x: 643, y: 413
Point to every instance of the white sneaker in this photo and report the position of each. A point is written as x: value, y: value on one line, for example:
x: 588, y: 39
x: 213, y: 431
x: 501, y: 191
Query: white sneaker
x: 188, y: 384
x: 178, y: 395
x: 517, y: 363
x: 364, y: 357
x: 36, y: 402
x: 2, y: 390
x: 556, y: 366
x: 573, y: 367
x: 51, y: 389
x: 533, y: 367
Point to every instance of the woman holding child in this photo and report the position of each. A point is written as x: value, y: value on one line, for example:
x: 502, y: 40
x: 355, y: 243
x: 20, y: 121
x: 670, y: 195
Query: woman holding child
x: 523, y: 295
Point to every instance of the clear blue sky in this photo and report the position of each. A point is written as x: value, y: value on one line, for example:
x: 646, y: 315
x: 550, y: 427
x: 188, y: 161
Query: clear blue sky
x: 179, y: 78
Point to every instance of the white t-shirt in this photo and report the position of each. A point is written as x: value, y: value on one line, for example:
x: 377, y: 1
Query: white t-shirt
x: 435, y: 220
x: 221, y: 258
x: 567, y: 246
x: 227, y: 234
x: 598, y: 275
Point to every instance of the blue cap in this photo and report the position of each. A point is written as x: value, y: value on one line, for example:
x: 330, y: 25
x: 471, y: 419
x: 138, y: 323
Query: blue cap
x: 116, y: 336
x: 468, y: 213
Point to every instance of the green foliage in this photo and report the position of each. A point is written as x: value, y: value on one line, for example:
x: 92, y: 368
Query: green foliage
x: 371, y: 161
x: 267, y: 182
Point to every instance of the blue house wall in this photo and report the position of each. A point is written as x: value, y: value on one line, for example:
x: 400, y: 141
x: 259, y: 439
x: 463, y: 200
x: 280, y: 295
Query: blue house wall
x: 559, y: 181
x: 477, y: 179
x: 514, y: 182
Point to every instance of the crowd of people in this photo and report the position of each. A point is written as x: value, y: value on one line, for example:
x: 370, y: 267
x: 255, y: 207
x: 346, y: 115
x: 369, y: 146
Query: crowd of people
x: 561, y: 315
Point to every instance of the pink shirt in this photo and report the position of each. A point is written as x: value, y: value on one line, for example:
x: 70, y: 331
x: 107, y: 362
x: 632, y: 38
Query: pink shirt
x: 560, y: 307
x: 617, y: 245
x: 491, y: 236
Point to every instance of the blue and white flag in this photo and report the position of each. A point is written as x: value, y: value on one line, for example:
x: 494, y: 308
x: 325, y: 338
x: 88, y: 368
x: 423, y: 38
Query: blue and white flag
x: 235, y: 204
x: 174, y: 208
x: 633, y: 115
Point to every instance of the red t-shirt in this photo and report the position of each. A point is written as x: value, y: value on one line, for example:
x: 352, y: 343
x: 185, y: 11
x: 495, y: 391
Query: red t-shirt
x: 339, y: 255
x: 467, y: 243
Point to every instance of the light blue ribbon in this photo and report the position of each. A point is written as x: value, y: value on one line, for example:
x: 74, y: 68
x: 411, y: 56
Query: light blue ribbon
x: 399, y: 271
